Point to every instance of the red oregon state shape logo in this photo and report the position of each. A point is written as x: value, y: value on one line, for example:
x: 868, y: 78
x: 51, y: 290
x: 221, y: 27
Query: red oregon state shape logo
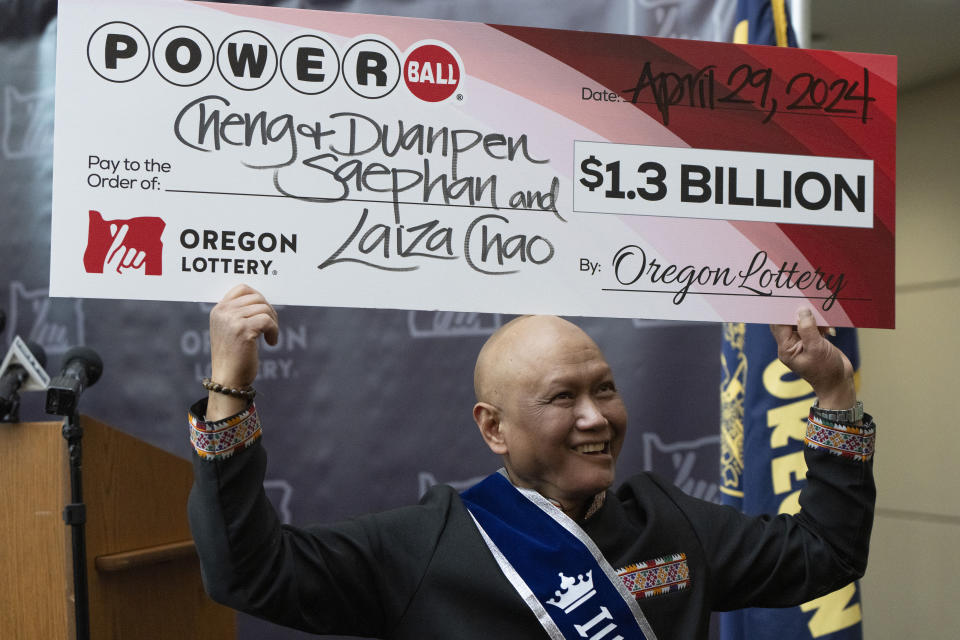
x: 432, y: 72
x: 124, y: 245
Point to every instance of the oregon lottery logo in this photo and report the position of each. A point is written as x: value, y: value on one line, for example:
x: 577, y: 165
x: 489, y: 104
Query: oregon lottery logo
x: 124, y: 245
x: 247, y: 60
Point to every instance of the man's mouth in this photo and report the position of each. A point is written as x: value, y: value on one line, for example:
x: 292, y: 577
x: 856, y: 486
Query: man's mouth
x: 593, y: 448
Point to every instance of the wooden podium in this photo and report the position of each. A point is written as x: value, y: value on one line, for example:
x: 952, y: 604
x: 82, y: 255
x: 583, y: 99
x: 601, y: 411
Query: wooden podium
x: 142, y: 569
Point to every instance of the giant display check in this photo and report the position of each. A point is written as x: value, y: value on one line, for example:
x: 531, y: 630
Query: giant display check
x: 368, y: 161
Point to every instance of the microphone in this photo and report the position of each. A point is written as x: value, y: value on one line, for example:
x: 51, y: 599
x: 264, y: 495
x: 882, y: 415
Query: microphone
x: 14, y: 377
x: 81, y: 369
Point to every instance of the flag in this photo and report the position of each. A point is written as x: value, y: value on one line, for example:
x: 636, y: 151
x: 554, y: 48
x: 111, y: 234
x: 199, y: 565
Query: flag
x: 764, y: 409
x: 763, y: 22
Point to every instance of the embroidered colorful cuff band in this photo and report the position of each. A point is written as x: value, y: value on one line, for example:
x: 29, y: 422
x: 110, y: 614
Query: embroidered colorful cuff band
x: 848, y: 441
x: 656, y: 577
x: 221, y: 439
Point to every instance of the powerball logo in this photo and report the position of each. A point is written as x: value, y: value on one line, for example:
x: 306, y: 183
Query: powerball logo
x: 124, y: 245
x: 184, y: 56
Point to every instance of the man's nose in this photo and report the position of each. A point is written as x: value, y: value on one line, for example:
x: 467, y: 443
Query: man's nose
x: 589, y: 415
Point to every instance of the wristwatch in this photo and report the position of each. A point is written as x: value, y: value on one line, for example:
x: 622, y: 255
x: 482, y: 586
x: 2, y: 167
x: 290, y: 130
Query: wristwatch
x: 845, y: 416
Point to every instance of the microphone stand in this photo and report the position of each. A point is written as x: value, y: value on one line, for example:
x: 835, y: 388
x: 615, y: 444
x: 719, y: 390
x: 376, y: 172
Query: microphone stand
x: 75, y: 517
x: 82, y: 367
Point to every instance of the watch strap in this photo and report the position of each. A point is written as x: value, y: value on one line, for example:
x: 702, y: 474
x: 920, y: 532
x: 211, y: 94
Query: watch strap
x: 843, y: 416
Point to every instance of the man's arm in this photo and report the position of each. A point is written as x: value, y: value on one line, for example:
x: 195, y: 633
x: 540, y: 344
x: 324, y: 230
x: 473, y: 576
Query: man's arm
x: 783, y: 560
x: 349, y: 578
x: 355, y: 577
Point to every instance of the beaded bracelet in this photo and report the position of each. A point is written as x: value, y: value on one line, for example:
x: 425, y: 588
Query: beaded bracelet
x: 246, y: 393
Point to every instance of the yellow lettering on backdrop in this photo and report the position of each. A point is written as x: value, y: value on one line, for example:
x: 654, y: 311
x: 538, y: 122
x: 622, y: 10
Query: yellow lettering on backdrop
x: 776, y: 386
x: 790, y: 504
x: 782, y: 467
x: 741, y: 32
x: 788, y: 421
x: 833, y: 612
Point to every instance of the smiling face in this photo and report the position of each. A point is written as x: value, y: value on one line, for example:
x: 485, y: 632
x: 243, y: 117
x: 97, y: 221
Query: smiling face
x: 547, y: 403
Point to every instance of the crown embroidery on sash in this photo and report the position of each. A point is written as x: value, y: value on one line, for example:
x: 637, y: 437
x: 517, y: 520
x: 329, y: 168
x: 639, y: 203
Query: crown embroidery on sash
x: 573, y: 591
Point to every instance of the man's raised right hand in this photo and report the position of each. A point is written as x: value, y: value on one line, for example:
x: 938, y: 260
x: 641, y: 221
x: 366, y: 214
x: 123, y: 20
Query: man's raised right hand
x: 236, y: 323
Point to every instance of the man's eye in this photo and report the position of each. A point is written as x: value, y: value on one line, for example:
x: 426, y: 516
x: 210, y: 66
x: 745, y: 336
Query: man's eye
x: 563, y: 395
x: 607, y: 388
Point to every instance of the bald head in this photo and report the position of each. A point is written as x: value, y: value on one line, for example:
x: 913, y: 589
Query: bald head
x: 517, y: 348
x: 547, y: 404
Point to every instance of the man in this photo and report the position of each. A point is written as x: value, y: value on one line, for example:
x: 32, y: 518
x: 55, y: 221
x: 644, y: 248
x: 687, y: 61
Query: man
x: 543, y: 549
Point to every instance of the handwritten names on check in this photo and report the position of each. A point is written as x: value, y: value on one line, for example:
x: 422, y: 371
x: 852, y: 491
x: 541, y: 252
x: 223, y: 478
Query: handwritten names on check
x: 339, y: 160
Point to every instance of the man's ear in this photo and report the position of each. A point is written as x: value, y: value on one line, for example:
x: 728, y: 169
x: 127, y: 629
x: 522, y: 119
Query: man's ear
x: 487, y: 418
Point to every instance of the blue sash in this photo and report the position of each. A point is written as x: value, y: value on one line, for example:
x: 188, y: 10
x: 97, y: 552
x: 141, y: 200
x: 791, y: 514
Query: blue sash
x: 554, y: 566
